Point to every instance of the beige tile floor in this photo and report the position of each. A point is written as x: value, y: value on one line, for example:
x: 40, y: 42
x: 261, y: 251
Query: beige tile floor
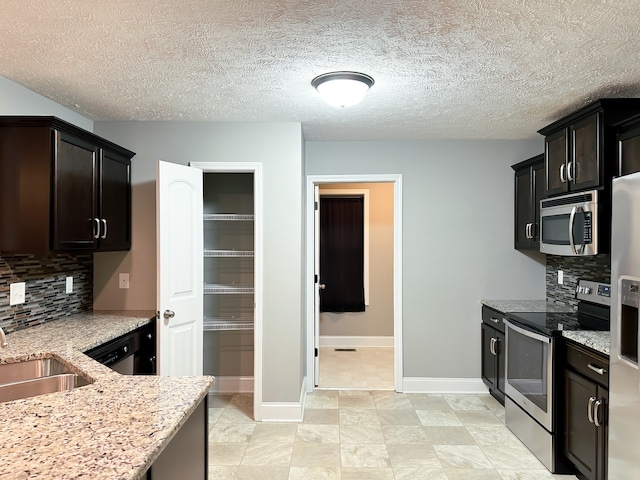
x: 370, y: 435
x: 369, y: 368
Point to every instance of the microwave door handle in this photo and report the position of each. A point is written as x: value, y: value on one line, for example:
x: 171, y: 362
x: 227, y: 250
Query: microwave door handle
x: 578, y: 249
x: 572, y: 218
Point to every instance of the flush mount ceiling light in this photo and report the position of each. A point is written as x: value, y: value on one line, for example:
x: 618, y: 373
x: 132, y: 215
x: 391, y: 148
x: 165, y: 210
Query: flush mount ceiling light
x: 342, y: 89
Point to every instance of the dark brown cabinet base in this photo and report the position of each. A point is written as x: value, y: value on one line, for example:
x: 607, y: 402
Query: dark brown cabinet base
x: 493, y: 364
x: 187, y: 455
x: 586, y: 407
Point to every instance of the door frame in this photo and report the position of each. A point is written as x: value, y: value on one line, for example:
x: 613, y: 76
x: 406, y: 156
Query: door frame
x: 256, y: 169
x: 311, y: 182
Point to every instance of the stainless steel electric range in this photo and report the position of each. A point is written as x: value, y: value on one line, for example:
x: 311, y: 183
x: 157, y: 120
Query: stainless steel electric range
x: 532, y: 372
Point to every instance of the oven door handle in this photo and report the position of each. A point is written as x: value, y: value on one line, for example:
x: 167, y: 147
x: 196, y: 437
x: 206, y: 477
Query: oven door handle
x: 527, y: 333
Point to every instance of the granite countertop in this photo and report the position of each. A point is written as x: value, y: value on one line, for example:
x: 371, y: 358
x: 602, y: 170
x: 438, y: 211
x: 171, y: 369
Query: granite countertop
x: 505, y: 306
x: 112, y: 429
x: 598, y: 341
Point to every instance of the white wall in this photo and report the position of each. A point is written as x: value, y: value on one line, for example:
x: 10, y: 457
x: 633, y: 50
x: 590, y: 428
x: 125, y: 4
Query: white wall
x: 457, y: 239
x: 18, y: 100
x: 279, y: 148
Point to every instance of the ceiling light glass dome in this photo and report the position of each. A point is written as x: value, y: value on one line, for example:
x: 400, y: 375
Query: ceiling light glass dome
x: 342, y: 89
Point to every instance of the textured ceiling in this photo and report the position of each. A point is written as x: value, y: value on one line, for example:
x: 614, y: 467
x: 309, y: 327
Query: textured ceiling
x: 443, y: 69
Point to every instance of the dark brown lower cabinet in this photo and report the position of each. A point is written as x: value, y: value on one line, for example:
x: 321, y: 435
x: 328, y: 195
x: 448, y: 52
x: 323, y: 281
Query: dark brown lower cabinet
x: 586, y: 408
x: 187, y: 455
x: 492, y: 360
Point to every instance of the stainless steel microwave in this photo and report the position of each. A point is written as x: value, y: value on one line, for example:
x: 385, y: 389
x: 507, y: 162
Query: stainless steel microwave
x: 569, y: 224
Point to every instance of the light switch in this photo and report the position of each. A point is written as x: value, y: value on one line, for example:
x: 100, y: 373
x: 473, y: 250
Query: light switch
x: 69, y: 286
x: 123, y: 280
x: 17, y: 293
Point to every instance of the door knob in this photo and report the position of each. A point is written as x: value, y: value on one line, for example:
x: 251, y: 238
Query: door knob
x: 169, y: 314
x: 321, y: 286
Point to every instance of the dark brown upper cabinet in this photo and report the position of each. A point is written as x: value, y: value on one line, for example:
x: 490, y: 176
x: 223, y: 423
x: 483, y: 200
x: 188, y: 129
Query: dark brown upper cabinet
x: 629, y: 147
x: 529, y: 190
x: 62, y: 188
x: 580, y: 148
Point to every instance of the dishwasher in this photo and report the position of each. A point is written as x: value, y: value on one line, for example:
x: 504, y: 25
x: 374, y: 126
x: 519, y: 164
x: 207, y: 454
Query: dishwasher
x: 131, y: 354
x: 117, y: 354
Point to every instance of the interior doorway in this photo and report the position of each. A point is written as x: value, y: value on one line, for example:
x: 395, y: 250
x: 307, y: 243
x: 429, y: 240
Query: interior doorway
x: 354, y: 351
x: 356, y: 271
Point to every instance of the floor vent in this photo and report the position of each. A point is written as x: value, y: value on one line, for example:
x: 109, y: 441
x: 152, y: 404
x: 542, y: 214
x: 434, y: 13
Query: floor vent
x: 345, y: 349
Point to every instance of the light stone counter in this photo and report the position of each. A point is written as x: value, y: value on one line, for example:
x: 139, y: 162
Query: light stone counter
x: 505, y: 306
x: 598, y: 341
x: 112, y: 429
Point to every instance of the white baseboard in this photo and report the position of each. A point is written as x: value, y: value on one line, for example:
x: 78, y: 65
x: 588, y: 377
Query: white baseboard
x: 443, y: 385
x: 232, y: 385
x: 355, y: 341
x: 286, y: 411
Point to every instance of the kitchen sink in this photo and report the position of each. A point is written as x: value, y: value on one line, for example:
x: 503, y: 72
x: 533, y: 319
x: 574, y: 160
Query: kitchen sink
x: 37, y: 377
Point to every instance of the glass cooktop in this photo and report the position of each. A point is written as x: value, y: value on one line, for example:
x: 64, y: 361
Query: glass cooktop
x: 547, y: 323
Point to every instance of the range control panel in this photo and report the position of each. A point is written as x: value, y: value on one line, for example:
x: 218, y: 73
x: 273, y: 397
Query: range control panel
x: 594, y: 292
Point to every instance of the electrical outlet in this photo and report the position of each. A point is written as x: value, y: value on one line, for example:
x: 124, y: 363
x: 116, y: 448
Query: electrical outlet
x: 123, y: 280
x: 17, y: 293
x: 560, y: 277
x: 69, y: 285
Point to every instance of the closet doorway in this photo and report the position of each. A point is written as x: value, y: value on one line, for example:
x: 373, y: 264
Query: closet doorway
x: 358, y: 349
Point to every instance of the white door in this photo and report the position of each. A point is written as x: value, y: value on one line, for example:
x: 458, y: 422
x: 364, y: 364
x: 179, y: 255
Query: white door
x: 318, y: 285
x: 180, y: 276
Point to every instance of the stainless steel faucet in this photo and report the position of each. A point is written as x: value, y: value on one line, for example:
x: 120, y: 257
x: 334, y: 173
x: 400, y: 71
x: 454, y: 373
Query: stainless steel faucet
x: 3, y: 339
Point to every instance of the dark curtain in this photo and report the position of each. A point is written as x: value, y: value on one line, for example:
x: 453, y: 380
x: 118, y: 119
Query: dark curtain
x: 342, y: 254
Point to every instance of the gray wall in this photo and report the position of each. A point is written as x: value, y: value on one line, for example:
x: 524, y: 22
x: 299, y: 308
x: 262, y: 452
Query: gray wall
x: 457, y: 239
x: 377, y: 319
x: 18, y: 100
x: 278, y: 146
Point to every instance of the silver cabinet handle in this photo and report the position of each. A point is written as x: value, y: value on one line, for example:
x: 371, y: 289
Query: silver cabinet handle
x: 569, y: 172
x: 495, y: 346
x: 494, y: 320
x: 595, y: 368
x: 596, y: 413
x: 527, y: 231
x: 96, y: 230
x: 104, y: 234
x: 491, y: 346
x: 563, y: 179
x: 590, y: 409
x: 169, y: 314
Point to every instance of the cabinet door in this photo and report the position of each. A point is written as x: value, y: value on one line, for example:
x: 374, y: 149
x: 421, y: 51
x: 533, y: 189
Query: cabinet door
x: 603, y: 433
x: 584, y: 167
x: 488, y: 359
x: 115, y: 202
x: 629, y: 152
x: 556, y: 152
x: 538, y: 194
x: 74, y: 188
x: 499, y: 345
x: 523, y: 208
x: 581, y: 436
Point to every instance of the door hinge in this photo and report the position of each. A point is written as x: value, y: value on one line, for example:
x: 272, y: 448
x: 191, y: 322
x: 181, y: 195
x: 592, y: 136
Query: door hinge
x: 316, y: 352
x: 315, y: 205
x: 315, y: 278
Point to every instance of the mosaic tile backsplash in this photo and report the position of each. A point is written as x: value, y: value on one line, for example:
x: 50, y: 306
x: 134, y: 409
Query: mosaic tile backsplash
x: 45, y: 298
x: 596, y: 268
